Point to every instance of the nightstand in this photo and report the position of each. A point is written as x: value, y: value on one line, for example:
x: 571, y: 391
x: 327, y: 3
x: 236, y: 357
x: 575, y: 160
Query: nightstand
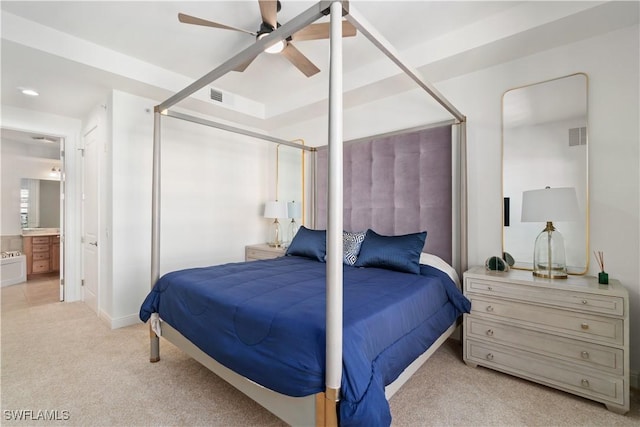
x: 262, y: 251
x: 570, y: 334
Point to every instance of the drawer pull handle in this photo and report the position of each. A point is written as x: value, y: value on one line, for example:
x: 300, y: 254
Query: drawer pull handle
x: 585, y: 383
x: 585, y: 354
x: 490, y: 357
x: 585, y: 326
x: 490, y: 332
x: 489, y: 308
x: 585, y: 302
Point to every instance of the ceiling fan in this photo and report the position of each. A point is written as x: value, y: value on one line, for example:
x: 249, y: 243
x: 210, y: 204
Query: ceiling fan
x: 268, y: 11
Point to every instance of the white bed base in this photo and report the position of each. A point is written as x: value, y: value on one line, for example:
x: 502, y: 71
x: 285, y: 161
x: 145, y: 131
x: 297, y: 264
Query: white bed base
x: 295, y: 411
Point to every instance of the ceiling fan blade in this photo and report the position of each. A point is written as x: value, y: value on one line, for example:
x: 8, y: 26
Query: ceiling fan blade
x: 299, y: 60
x: 188, y: 19
x: 321, y: 31
x: 269, y: 12
x: 240, y: 68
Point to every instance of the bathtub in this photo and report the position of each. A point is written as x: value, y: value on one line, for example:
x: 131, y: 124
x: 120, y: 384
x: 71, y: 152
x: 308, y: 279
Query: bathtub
x: 13, y: 270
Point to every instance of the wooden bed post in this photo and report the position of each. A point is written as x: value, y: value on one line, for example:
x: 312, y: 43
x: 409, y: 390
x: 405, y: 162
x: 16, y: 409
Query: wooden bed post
x: 334, y: 222
x: 154, y: 351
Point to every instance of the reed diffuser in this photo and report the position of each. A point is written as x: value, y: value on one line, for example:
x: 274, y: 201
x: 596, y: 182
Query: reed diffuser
x: 603, y: 277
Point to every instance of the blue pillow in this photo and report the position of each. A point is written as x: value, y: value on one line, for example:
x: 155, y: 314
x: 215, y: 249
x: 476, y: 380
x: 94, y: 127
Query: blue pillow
x: 309, y: 243
x: 400, y: 253
x: 351, y: 242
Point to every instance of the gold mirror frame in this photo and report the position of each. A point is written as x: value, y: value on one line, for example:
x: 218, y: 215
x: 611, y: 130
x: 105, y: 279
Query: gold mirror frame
x: 290, y: 182
x: 538, y: 113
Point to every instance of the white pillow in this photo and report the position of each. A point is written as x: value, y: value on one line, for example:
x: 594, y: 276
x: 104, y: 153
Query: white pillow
x: 440, y: 264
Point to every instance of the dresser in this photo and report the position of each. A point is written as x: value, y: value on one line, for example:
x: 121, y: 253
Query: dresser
x: 262, y: 251
x: 42, y: 253
x: 570, y: 334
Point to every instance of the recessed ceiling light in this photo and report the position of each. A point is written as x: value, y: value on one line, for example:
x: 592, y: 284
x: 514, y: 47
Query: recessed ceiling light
x: 29, y: 92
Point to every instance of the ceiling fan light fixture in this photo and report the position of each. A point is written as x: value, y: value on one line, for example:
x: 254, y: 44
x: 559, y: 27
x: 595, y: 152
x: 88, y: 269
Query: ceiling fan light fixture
x: 274, y: 48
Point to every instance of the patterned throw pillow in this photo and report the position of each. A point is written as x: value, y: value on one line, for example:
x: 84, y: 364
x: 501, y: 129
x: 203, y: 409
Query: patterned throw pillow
x: 351, y: 245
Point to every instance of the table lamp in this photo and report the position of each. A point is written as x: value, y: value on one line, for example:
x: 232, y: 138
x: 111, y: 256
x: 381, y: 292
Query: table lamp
x: 548, y: 205
x: 275, y: 210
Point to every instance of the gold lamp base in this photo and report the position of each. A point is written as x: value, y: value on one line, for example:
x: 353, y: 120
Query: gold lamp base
x: 550, y: 275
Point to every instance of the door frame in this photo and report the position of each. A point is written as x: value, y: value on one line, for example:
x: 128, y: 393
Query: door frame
x: 71, y: 130
x: 94, y: 126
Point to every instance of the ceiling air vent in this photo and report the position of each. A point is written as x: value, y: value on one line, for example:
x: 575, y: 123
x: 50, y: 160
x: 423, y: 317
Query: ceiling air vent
x: 577, y: 136
x: 216, y: 95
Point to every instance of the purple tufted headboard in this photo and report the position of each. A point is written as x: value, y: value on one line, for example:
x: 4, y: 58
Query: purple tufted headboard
x: 396, y: 185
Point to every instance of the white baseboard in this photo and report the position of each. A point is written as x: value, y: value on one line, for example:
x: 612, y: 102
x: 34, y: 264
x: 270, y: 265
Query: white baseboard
x: 120, y: 322
x: 634, y: 379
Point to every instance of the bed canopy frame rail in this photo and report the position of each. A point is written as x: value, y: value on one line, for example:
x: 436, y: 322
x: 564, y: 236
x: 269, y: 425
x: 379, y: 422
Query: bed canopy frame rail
x: 336, y: 9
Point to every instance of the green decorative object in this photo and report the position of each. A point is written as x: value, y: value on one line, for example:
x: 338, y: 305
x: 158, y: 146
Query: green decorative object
x: 508, y: 258
x: 495, y: 263
x: 603, y: 278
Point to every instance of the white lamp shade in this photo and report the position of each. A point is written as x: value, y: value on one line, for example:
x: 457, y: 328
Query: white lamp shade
x: 294, y: 210
x: 550, y: 204
x: 275, y: 209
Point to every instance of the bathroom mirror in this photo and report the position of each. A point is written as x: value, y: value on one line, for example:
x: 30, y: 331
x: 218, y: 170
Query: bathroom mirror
x: 39, y: 203
x: 545, y: 144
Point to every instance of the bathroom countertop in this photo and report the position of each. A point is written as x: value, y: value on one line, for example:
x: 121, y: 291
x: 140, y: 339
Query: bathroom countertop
x: 35, y: 232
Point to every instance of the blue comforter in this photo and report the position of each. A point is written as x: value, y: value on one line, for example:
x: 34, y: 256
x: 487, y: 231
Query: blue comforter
x: 266, y: 321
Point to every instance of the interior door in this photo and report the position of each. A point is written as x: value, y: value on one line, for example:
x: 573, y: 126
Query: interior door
x: 90, y: 220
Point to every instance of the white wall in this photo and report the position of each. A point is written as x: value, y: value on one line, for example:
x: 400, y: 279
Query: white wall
x: 611, y: 62
x: 69, y: 128
x: 214, y: 185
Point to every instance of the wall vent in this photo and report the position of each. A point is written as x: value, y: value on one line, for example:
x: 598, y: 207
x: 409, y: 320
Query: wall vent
x: 216, y: 95
x: 577, y: 136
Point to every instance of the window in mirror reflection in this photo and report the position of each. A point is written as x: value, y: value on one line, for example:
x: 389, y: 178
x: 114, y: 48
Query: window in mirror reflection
x: 545, y: 144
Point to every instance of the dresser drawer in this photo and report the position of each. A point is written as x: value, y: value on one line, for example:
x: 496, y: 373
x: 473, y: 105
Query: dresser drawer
x: 574, y: 379
x: 43, y: 240
x: 576, y: 324
x: 40, y: 255
x: 574, y: 351
x: 41, y: 248
x: 580, y: 301
x: 40, y: 266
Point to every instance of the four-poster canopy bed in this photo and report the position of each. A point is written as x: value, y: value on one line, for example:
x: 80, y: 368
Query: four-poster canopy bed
x: 325, y: 278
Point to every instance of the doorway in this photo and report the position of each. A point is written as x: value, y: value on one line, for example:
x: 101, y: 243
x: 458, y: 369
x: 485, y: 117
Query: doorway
x: 33, y: 188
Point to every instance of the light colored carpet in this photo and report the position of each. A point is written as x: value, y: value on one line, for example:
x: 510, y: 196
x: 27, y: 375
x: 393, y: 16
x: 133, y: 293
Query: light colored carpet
x: 61, y: 357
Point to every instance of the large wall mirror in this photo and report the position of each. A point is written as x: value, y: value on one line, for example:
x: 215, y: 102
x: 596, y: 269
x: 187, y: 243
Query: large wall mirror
x: 39, y: 203
x: 291, y: 187
x: 544, y: 143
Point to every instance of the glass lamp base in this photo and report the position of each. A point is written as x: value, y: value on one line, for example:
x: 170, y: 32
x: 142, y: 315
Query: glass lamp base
x: 275, y: 235
x: 549, y: 259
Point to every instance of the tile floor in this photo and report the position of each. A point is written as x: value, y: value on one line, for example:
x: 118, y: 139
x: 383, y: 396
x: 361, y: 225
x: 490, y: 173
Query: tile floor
x: 44, y: 289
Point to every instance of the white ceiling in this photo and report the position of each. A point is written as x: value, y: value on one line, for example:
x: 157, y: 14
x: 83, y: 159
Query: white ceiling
x: 75, y: 52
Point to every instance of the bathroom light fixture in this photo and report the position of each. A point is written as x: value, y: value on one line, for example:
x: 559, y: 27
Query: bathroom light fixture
x: 548, y: 205
x: 43, y: 139
x: 28, y: 92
